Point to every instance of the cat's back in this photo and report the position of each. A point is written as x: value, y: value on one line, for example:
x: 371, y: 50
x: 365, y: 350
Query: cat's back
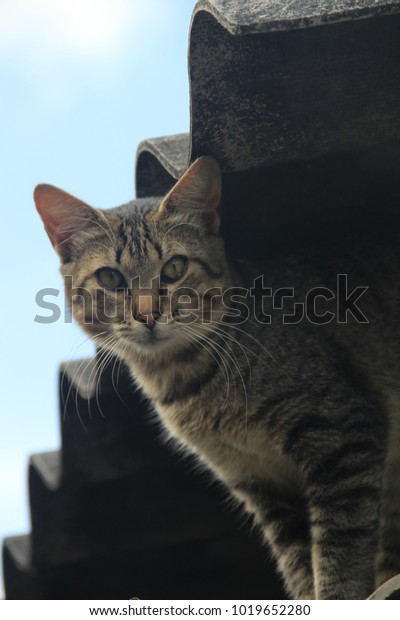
x: 334, y: 306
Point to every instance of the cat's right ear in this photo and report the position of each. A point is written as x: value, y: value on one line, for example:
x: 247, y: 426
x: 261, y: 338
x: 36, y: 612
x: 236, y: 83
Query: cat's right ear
x: 197, y: 192
x: 65, y: 218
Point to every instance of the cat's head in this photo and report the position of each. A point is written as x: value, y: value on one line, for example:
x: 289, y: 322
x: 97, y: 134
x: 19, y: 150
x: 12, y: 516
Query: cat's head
x: 143, y: 279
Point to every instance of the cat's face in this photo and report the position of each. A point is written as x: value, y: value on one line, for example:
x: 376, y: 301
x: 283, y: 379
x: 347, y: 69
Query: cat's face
x: 139, y: 278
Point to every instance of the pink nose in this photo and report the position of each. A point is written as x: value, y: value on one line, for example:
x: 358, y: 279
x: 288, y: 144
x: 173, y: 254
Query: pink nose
x: 148, y: 318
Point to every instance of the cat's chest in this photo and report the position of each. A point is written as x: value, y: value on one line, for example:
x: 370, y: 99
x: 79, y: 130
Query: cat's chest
x: 235, y: 451
x: 218, y: 427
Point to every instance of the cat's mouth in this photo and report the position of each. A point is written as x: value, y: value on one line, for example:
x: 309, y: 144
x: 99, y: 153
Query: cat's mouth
x: 144, y: 338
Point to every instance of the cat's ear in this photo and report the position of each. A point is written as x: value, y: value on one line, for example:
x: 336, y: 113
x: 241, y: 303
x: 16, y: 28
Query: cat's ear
x: 65, y: 218
x: 198, y: 191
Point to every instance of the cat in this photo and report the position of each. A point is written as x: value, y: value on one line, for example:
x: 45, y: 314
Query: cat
x: 278, y: 374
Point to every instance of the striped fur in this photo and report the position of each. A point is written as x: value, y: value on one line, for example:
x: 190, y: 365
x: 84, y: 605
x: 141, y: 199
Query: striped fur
x: 301, y: 422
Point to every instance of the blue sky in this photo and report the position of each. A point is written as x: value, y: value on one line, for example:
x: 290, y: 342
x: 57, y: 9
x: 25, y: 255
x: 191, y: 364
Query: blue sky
x: 82, y: 83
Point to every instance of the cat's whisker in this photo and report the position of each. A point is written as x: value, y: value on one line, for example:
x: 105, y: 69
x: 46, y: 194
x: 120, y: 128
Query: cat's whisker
x: 94, y: 374
x: 225, y: 333
x: 110, y: 233
x: 72, y: 386
x: 195, y: 338
x: 226, y: 336
x: 218, y: 349
x: 171, y: 228
x: 237, y: 367
x: 80, y: 368
x: 71, y: 381
x: 201, y: 341
x: 114, y: 237
x: 101, y: 366
x: 234, y: 362
x: 73, y: 351
x: 115, y: 381
x: 175, y: 244
x: 102, y: 361
x: 248, y: 335
x: 119, y: 367
x: 116, y: 352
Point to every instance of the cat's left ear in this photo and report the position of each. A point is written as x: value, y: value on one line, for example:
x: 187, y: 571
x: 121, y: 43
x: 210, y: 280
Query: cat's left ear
x: 66, y: 218
x: 198, y: 191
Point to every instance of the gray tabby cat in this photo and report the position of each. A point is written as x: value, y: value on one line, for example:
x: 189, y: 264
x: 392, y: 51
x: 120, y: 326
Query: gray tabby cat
x: 297, y: 414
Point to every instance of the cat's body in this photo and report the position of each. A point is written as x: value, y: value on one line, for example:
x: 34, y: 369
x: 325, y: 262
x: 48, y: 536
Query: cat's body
x: 299, y: 418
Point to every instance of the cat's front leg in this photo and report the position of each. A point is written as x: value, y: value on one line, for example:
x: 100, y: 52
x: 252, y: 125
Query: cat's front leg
x: 338, y: 439
x: 344, y: 507
x: 283, y: 518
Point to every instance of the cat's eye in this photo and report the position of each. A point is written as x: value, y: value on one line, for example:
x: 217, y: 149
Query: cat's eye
x: 174, y: 269
x: 110, y: 278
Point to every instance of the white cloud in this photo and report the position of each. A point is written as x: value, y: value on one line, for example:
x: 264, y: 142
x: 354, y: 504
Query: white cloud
x: 78, y: 27
x: 50, y: 48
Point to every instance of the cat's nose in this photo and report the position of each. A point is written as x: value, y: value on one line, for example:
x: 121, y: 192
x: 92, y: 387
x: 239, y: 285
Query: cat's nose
x: 148, y: 318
